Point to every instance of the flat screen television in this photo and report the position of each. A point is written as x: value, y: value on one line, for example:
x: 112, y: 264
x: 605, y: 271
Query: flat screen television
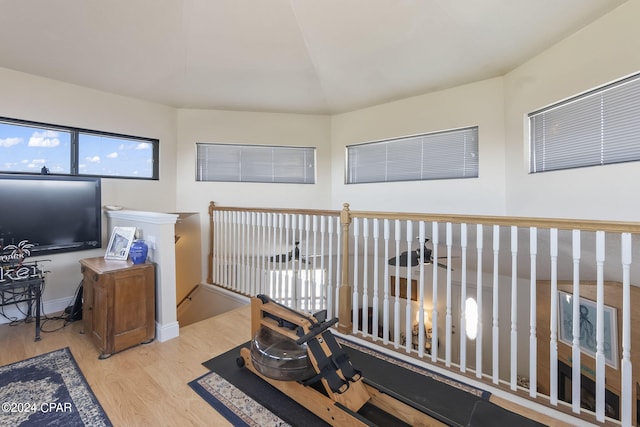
x: 52, y: 213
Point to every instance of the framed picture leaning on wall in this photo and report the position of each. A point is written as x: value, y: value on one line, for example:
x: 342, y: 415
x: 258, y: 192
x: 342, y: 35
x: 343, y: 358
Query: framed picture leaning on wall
x: 120, y: 242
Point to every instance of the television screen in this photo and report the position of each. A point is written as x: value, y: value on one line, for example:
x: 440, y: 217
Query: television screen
x: 51, y: 213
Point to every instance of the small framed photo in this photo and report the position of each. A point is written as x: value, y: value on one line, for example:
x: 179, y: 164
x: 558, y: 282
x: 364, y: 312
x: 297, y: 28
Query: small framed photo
x: 120, y: 242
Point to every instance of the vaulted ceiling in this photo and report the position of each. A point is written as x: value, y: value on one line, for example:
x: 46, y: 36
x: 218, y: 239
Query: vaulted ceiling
x: 301, y: 56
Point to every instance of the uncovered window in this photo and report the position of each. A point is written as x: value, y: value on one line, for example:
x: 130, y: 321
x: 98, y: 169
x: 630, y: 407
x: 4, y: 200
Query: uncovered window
x: 30, y: 147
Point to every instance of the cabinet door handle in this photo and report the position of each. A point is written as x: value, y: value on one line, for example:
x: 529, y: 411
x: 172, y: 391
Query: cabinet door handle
x: 95, y: 277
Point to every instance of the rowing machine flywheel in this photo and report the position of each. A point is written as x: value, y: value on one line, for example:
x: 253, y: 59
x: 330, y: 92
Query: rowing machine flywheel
x: 280, y: 358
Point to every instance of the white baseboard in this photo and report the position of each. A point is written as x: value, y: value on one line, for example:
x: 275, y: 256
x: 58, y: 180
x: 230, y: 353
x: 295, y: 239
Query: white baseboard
x: 17, y: 311
x: 167, y: 332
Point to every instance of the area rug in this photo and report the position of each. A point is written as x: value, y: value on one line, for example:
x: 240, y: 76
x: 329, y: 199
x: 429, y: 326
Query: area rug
x: 246, y: 400
x: 48, y: 390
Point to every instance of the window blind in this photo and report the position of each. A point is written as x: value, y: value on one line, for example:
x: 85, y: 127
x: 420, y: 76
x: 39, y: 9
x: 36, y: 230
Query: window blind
x: 255, y: 163
x: 596, y: 128
x: 440, y: 155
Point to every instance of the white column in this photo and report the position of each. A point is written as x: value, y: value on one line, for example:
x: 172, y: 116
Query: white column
x: 158, y: 230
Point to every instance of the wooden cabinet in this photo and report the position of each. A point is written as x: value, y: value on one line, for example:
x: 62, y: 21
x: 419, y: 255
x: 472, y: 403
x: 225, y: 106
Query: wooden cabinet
x: 118, y: 308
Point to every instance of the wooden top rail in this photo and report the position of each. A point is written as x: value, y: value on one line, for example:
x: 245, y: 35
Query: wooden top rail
x: 507, y: 221
x: 559, y: 223
x: 213, y: 207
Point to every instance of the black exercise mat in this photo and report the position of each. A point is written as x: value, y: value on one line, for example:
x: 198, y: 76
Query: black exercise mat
x: 436, y: 395
x: 487, y: 414
x: 441, y: 397
x: 261, y: 391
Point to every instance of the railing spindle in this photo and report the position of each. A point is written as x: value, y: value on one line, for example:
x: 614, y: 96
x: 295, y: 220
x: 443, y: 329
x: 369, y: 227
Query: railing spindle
x: 280, y: 283
x: 330, y: 281
x: 365, y: 276
x: 396, y: 304
x: 448, y: 315
x: 626, y: 369
x: 385, y: 303
x: 235, y: 259
x: 253, y: 251
x: 463, y: 298
x: 421, y: 317
x: 339, y: 266
x: 376, y: 268
x: 600, y: 358
x: 355, y: 298
x: 307, y: 278
x: 313, y: 279
x: 553, y: 319
x: 324, y: 290
x: 533, y: 340
x: 243, y: 253
x: 408, y: 320
x: 496, y: 302
x: 514, y: 308
x: 575, y: 355
x: 435, y: 240
x: 300, y: 295
x: 479, y: 290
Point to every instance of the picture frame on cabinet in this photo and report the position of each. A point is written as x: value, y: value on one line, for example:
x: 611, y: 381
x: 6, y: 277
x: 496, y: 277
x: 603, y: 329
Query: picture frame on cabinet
x: 120, y: 243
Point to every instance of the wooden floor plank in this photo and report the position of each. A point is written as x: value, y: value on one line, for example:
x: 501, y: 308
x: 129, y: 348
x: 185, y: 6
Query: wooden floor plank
x: 145, y: 385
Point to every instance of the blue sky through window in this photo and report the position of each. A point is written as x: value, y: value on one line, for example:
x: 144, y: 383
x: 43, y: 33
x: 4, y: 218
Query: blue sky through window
x: 109, y: 156
x: 26, y: 148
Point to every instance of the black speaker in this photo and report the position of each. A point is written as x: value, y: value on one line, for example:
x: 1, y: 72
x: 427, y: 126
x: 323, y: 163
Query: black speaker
x: 75, y: 311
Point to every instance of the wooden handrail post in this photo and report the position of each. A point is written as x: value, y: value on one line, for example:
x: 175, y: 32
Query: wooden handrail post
x: 344, y: 308
x: 211, y: 230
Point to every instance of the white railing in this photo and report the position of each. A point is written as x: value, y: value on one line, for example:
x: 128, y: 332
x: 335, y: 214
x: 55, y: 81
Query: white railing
x: 552, y: 297
x: 292, y: 257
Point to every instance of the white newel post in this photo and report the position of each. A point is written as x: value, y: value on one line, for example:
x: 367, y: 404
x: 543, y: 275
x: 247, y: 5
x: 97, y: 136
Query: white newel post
x: 158, y: 231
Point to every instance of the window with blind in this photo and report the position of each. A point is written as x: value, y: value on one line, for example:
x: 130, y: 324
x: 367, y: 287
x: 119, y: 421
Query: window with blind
x: 255, y: 163
x: 440, y: 155
x: 599, y: 127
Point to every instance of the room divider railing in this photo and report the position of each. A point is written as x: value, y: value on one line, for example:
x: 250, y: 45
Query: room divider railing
x: 536, y: 307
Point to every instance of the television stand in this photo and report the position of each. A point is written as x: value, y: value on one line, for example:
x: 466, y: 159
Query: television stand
x: 14, y: 289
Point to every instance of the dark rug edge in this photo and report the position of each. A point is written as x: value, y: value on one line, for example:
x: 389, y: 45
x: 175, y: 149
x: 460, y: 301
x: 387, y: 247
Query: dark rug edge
x: 215, y: 403
x: 66, y: 351
x: 88, y: 388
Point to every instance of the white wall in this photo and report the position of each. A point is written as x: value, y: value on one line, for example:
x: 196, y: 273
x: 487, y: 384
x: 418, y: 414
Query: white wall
x: 476, y: 104
x: 249, y: 128
x: 601, y: 52
x: 43, y: 100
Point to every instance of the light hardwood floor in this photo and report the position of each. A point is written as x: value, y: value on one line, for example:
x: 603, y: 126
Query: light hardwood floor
x: 145, y: 385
